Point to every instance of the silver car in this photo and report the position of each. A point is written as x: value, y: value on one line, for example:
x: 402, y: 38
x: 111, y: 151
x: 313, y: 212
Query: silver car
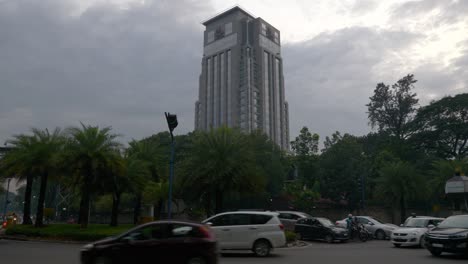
x: 379, y: 229
x: 412, y: 232
x: 289, y: 218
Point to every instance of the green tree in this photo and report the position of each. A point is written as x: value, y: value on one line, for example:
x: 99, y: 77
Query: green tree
x: 89, y: 150
x: 340, y: 168
x: 399, y: 182
x: 392, y: 108
x: 221, y: 162
x: 14, y: 163
x: 442, y: 127
x: 306, y: 143
x: 40, y: 155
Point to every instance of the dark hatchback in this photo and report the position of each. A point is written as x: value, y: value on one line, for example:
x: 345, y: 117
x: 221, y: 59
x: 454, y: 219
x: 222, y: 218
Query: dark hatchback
x: 157, y: 242
x: 318, y: 228
x: 451, y: 235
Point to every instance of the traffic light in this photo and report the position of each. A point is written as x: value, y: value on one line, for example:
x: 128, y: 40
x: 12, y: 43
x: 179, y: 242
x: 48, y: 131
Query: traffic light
x: 171, y: 121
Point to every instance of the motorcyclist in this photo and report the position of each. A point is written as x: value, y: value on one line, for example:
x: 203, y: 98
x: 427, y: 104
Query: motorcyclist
x: 349, y: 223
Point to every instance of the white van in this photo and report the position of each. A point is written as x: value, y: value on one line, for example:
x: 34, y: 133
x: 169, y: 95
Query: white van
x: 248, y: 230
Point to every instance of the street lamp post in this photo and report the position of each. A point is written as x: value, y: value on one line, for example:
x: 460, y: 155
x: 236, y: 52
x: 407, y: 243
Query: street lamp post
x: 171, y: 123
x: 6, y: 199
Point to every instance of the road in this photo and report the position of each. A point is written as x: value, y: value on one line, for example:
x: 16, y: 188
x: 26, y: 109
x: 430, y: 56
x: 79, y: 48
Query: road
x: 380, y: 252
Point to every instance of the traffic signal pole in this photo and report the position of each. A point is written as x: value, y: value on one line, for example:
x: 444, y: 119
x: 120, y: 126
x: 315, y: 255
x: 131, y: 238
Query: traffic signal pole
x: 171, y: 123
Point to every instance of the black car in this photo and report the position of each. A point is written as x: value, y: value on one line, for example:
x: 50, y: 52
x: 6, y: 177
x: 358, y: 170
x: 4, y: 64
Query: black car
x: 156, y: 242
x: 451, y: 235
x: 318, y: 228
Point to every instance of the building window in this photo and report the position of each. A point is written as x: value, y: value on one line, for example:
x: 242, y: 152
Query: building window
x: 228, y: 28
x: 210, y: 37
x: 276, y: 37
x: 219, y: 34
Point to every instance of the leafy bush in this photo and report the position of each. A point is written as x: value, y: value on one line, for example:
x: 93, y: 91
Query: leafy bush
x: 68, y: 231
x: 290, y: 236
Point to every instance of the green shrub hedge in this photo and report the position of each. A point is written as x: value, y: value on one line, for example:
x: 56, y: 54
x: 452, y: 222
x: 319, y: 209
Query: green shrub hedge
x: 68, y: 231
x: 290, y: 236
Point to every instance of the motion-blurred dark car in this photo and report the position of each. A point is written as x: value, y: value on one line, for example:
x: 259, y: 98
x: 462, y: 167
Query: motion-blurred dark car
x: 451, y: 235
x: 157, y: 242
x: 318, y: 228
x: 289, y: 218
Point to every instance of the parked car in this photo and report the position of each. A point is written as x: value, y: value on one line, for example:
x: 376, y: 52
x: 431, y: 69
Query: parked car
x: 451, y: 235
x: 161, y: 242
x: 413, y: 230
x: 318, y: 228
x: 289, y: 218
x: 248, y: 230
x: 377, y: 228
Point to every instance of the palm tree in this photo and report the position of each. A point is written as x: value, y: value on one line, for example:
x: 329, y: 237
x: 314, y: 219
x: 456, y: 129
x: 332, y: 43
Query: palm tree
x: 441, y: 171
x: 13, y: 163
x: 398, y: 183
x: 150, y: 155
x: 221, y: 161
x: 39, y: 154
x: 89, y: 150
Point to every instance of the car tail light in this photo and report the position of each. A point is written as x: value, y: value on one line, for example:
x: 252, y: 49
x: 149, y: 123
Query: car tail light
x: 336, y: 223
x: 281, y: 226
x: 206, y: 232
x: 4, y: 225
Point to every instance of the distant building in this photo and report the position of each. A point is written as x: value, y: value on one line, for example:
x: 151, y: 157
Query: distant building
x: 241, y: 84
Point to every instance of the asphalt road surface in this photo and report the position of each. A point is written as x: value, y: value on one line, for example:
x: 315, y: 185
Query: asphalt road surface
x: 380, y: 252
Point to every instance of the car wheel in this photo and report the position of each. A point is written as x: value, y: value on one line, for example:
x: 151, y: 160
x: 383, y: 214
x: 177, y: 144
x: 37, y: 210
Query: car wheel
x: 329, y: 238
x: 196, y: 260
x: 397, y: 245
x: 436, y: 252
x: 422, y: 242
x: 261, y: 248
x: 380, y: 235
x: 102, y: 260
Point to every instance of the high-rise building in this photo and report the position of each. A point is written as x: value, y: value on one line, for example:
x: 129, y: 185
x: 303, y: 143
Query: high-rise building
x: 241, y: 83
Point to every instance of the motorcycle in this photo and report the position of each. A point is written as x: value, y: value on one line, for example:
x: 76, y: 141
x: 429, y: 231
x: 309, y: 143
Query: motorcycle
x: 361, y: 232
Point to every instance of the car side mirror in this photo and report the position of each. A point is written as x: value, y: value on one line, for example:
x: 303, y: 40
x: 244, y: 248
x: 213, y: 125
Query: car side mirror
x: 209, y: 224
x: 401, y: 224
x: 370, y: 223
x: 430, y: 226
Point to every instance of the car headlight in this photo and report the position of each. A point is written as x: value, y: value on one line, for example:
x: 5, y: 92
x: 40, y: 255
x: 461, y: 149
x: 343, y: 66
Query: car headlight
x: 414, y: 233
x: 88, y: 246
x: 459, y: 236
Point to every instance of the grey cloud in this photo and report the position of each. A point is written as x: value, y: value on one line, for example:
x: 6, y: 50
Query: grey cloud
x: 330, y: 77
x: 449, y: 11
x: 107, y: 66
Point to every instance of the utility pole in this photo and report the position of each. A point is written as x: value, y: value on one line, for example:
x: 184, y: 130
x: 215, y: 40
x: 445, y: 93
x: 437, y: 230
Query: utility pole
x: 171, y: 123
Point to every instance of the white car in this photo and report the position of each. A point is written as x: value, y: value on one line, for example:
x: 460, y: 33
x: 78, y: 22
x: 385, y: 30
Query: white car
x: 377, y: 228
x: 413, y: 230
x: 247, y: 230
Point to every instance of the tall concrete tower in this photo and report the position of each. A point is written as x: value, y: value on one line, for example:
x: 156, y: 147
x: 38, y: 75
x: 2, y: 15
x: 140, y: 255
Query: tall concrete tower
x: 241, y: 82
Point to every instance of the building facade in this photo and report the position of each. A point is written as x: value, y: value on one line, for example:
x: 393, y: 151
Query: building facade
x: 241, y: 83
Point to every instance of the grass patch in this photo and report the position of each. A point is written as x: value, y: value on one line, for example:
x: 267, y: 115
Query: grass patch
x: 68, y: 231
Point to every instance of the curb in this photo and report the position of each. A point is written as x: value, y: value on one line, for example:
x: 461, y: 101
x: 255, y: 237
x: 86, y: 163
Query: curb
x: 29, y: 239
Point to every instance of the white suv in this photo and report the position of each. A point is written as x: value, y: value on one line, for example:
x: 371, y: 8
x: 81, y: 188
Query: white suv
x: 248, y: 230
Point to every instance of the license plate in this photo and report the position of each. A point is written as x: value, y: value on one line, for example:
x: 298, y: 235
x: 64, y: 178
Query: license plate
x: 438, y: 245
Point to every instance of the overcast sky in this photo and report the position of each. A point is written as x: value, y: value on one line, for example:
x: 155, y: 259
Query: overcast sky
x: 123, y: 63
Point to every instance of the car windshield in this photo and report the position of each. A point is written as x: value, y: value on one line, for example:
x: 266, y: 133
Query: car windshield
x: 460, y: 221
x: 325, y: 222
x: 416, y: 222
